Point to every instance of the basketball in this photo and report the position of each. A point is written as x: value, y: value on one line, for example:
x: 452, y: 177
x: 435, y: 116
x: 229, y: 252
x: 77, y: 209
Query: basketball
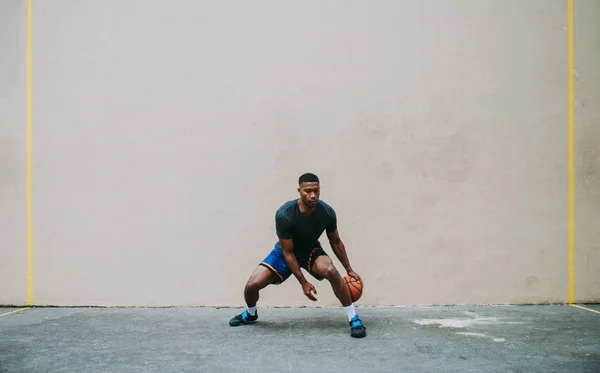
x: 355, y: 288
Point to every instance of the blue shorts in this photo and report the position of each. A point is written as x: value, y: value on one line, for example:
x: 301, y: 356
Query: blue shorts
x: 275, y: 262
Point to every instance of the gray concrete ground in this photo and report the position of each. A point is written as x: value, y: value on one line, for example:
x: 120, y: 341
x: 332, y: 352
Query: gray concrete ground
x: 593, y: 307
x: 420, y: 339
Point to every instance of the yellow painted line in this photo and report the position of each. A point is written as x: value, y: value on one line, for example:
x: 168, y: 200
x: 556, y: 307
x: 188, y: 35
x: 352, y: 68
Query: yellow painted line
x: 584, y: 308
x: 571, y: 159
x: 29, y: 218
x: 13, y: 311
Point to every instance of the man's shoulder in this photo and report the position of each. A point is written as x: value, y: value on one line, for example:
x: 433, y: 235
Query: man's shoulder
x: 326, y: 208
x: 287, y: 208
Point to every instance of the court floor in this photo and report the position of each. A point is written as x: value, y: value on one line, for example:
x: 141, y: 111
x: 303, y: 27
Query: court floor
x: 541, y: 338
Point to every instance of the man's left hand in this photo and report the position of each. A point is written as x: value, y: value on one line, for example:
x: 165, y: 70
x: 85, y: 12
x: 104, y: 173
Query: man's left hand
x: 356, y: 276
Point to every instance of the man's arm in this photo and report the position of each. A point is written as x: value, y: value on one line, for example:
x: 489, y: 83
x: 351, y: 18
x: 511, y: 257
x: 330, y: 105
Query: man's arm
x: 340, y: 252
x: 287, y: 246
x: 284, y: 232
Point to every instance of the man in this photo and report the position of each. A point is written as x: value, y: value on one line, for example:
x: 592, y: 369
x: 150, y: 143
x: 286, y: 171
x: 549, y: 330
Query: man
x: 299, y: 224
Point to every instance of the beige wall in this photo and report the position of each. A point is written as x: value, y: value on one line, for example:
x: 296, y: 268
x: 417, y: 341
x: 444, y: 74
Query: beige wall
x: 587, y: 150
x: 165, y: 136
x: 13, y: 218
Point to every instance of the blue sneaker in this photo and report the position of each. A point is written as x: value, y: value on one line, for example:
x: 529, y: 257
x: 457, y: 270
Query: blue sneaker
x: 357, y: 329
x: 243, y: 319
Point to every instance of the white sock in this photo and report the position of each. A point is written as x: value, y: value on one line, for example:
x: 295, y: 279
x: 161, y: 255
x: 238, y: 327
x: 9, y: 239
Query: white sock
x: 350, y: 312
x: 251, y: 311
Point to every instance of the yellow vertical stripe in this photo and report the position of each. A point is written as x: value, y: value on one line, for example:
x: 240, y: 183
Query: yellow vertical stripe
x: 571, y: 158
x: 29, y: 223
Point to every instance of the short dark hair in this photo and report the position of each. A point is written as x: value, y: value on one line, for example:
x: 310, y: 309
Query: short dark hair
x: 308, y: 178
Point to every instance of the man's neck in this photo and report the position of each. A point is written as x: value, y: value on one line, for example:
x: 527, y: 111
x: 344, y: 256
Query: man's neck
x: 304, y: 209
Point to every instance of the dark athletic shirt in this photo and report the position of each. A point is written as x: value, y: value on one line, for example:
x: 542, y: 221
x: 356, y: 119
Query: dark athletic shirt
x: 304, y: 230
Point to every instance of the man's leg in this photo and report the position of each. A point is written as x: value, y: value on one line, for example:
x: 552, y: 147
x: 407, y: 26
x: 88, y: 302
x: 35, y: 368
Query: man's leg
x: 258, y: 280
x: 272, y: 270
x: 323, y: 267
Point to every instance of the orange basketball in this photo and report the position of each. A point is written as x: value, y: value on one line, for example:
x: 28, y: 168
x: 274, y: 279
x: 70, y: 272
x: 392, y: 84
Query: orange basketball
x: 355, y: 288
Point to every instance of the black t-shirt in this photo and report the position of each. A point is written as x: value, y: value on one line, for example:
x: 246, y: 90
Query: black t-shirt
x: 304, y: 230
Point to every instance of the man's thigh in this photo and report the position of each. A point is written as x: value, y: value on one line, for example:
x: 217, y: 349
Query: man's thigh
x: 262, y: 277
x: 275, y: 263
x: 314, y: 263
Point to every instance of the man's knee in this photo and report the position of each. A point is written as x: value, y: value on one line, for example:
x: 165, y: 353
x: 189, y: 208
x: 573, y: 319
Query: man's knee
x: 325, y: 268
x: 330, y: 272
x: 261, y: 278
x: 253, y: 284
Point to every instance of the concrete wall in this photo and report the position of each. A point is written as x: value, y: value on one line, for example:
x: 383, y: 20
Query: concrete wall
x: 587, y: 150
x: 166, y: 134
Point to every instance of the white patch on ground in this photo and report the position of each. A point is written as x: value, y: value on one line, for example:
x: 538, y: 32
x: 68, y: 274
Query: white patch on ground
x: 461, y: 323
x: 472, y: 334
x: 464, y: 322
x: 458, y: 323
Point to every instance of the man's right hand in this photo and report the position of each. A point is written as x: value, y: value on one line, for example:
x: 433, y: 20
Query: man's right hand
x: 308, y: 290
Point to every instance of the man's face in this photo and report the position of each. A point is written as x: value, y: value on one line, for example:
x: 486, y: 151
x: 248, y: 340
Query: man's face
x: 309, y: 193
